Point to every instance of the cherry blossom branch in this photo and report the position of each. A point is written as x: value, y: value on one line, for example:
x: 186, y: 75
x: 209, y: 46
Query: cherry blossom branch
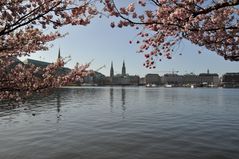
x: 216, y: 7
x: 171, y: 21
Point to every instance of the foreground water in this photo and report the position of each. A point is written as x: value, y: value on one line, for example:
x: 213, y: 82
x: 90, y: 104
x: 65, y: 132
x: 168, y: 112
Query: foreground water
x: 123, y: 123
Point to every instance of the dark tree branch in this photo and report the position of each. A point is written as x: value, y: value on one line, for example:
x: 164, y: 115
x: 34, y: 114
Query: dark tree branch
x: 18, y: 23
x: 216, y: 7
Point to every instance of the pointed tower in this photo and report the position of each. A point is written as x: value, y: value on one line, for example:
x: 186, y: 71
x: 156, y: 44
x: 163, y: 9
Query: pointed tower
x: 208, y: 71
x: 111, y: 70
x: 123, y: 69
x: 59, y: 54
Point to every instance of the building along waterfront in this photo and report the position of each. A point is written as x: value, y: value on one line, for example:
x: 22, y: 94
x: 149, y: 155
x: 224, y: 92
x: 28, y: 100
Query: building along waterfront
x: 228, y: 80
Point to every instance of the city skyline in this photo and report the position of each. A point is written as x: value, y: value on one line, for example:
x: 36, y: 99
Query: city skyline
x: 124, y: 72
x: 103, y: 44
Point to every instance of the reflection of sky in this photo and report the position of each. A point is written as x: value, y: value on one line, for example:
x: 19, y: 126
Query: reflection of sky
x: 100, y: 42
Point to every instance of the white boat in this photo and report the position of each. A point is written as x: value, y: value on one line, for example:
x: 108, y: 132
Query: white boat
x: 151, y: 85
x: 148, y: 85
x: 168, y: 85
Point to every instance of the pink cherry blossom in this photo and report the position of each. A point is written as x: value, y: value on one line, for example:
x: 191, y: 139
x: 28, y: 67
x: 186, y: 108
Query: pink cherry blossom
x: 22, y: 32
x: 163, y: 24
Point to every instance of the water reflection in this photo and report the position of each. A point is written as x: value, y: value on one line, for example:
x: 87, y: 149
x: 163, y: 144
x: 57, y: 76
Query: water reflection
x: 58, y: 105
x: 111, y: 98
x: 35, y: 104
x: 5, y: 107
x: 161, y: 123
x: 123, y: 96
x: 58, y: 102
x: 114, y: 100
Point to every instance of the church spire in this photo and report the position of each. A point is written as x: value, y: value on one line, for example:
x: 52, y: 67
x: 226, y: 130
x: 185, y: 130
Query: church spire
x: 123, y: 69
x: 111, y: 70
x: 59, y: 54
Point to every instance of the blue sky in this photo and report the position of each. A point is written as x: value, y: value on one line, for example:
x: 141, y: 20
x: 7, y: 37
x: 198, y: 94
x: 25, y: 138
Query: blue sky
x: 100, y: 42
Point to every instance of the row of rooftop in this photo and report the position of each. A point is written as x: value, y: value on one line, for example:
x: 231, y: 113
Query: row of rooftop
x: 202, y: 80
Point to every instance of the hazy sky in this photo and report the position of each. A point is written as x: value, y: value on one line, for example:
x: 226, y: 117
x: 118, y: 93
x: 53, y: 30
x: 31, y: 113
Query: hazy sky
x: 100, y: 42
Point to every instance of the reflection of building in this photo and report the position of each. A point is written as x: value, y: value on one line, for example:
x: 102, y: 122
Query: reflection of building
x: 123, y: 99
x: 121, y: 79
x: 111, y: 97
x: 230, y: 80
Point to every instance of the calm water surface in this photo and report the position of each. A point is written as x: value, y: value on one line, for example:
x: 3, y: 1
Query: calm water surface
x: 123, y: 123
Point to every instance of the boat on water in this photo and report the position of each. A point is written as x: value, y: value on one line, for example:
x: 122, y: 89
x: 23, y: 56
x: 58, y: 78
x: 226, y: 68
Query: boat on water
x: 151, y: 85
x: 168, y: 86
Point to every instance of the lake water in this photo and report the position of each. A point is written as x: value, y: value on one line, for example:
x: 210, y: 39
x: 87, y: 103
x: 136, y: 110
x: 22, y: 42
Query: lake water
x: 123, y: 123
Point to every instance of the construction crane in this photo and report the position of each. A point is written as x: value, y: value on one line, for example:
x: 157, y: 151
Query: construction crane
x: 101, y: 68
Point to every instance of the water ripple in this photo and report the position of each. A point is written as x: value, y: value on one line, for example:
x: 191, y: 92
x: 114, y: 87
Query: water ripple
x: 123, y: 122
